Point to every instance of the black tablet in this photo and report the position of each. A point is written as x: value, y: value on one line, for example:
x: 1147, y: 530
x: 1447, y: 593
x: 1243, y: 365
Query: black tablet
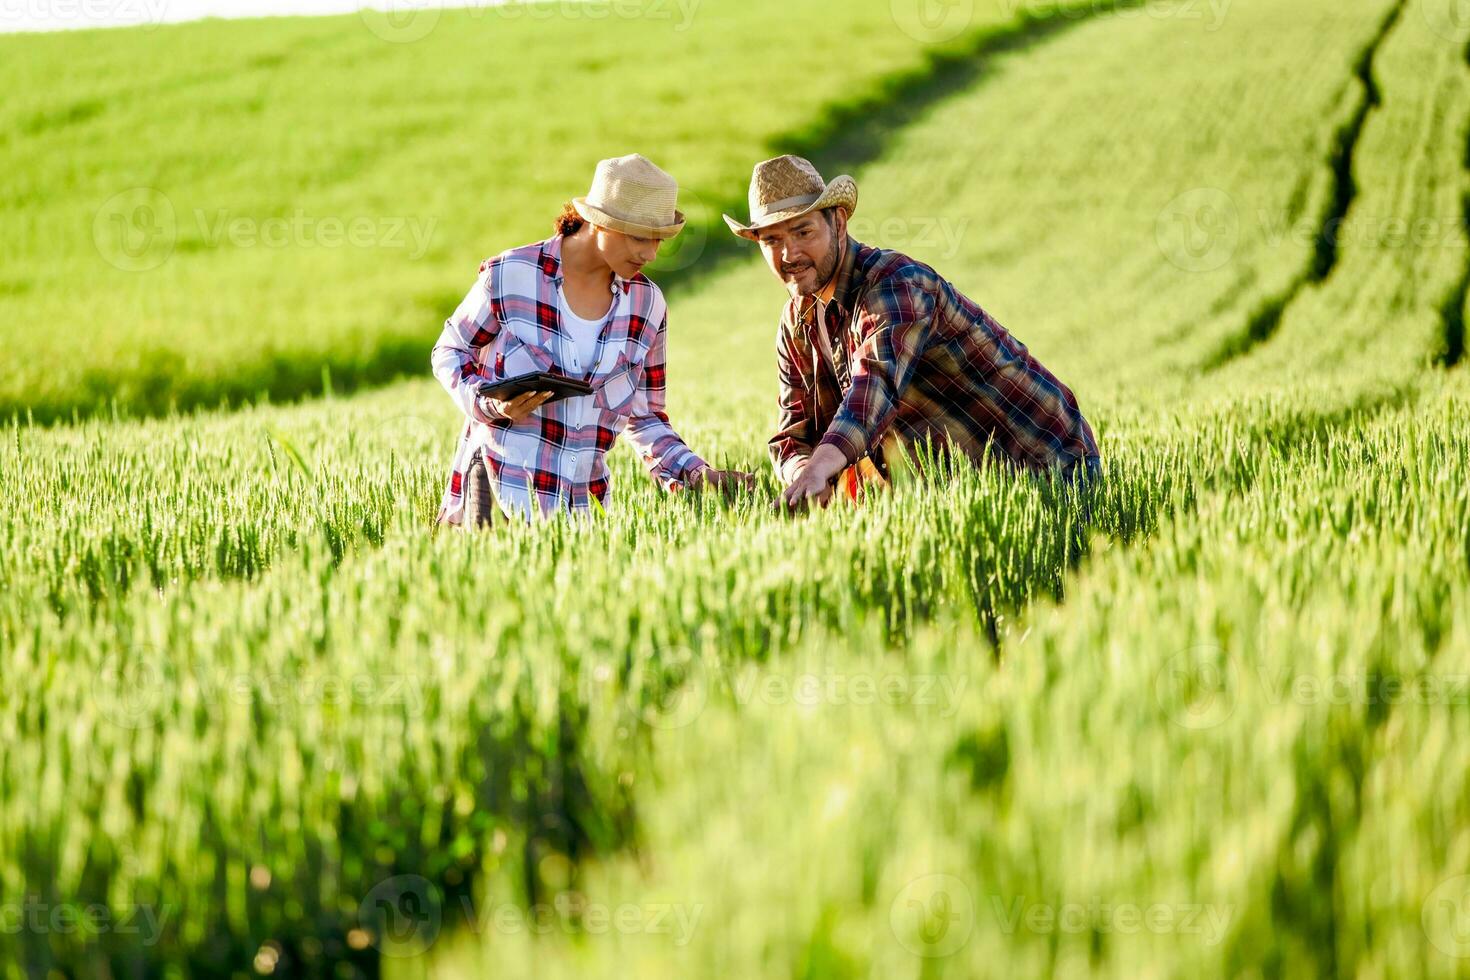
x: 559, y: 386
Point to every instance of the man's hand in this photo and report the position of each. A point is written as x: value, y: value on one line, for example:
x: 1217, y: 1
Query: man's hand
x: 814, y: 480
x: 722, y: 480
x: 518, y: 408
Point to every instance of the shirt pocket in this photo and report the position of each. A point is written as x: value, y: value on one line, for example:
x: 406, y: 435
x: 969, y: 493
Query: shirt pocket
x: 616, y: 390
x: 518, y: 351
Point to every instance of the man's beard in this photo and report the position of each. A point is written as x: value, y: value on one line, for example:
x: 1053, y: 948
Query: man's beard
x: 825, y: 271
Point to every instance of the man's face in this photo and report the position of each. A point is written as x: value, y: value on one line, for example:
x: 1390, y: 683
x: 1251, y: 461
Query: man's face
x: 625, y: 254
x: 804, y: 252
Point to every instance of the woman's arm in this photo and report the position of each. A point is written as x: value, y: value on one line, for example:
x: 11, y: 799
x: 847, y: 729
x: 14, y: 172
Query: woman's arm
x: 456, y: 357
x: 663, y: 451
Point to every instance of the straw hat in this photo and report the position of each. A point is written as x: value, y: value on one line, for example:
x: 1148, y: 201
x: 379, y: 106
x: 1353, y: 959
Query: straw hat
x: 789, y: 187
x: 631, y: 195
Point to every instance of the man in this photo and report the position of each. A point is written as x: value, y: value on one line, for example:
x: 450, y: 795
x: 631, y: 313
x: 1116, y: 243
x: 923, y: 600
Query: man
x: 874, y: 344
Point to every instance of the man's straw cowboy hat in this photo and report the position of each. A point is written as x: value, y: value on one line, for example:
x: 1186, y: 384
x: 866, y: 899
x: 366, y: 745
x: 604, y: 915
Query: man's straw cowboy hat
x: 631, y: 195
x: 789, y: 187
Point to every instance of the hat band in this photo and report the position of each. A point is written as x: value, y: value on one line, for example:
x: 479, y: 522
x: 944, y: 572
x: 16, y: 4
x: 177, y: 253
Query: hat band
x: 663, y: 219
x: 787, y: 204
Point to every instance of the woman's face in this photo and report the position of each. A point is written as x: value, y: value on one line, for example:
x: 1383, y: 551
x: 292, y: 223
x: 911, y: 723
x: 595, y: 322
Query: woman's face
x: 624, y: 254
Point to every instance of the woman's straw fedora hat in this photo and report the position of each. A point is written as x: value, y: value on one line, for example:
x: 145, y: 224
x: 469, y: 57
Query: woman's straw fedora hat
x: 631, y: 195
x: 789, y: 187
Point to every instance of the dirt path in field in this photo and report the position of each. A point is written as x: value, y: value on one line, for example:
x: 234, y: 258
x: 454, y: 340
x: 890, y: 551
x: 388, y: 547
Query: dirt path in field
x: 846, y: 136
x: 1267, y: 317
x: 1454, y: 308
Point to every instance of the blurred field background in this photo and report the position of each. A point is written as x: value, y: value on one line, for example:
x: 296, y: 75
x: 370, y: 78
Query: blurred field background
x: 1217, y: 729
x: 272, y: 199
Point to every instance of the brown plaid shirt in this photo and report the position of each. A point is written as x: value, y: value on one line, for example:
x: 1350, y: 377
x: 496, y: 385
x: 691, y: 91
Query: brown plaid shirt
x: 916, y: 358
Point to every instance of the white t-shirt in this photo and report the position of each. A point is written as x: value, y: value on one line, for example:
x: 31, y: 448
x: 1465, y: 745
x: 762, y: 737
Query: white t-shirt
x: 579, y: 354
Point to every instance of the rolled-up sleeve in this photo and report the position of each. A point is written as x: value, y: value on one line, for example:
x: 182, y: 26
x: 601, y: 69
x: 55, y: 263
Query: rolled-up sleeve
x: 665, y: 454
x: 457, y: 355
x: 791, y: 445
x: 893, y: 327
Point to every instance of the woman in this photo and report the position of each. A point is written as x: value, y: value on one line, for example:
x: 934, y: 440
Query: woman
x: 576, y: 305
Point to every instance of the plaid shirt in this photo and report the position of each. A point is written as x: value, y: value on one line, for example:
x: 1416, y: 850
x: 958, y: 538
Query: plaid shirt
x: 917, y: 359
x: 555, y: 459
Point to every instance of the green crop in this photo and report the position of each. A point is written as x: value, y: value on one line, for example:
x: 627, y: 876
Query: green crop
x: 1202, y: 719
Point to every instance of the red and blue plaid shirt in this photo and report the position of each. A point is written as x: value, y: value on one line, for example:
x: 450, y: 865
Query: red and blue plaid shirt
x: 555, y: 459
x: 915, y: 358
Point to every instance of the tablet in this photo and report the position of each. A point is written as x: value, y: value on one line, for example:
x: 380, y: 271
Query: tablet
x: 560, y: 386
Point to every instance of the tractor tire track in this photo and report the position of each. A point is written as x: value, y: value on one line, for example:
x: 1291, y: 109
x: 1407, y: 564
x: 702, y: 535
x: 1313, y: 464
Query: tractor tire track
x: 849, y: 135
x: 1454, y: 307
x: 1267, y: 317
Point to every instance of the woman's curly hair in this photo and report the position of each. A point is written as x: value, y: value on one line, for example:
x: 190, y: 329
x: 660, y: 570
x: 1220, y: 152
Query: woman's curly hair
x: 569, y: 221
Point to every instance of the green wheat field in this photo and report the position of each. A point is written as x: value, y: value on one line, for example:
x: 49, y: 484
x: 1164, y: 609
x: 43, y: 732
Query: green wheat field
x: 258, y: 717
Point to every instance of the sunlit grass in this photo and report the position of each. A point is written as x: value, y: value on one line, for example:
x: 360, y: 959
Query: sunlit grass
x: 247, y: 685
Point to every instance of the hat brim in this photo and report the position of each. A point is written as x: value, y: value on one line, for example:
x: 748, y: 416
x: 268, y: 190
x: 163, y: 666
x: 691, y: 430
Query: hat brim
x: 842, y: 192
x: 602, y: 219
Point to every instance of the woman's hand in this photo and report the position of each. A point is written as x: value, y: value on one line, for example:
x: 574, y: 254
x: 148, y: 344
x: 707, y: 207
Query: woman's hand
x: 722, y: 480
x: 518, y: 408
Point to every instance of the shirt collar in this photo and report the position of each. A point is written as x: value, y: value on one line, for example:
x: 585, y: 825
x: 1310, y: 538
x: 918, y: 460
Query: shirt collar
x: 550, y: 263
